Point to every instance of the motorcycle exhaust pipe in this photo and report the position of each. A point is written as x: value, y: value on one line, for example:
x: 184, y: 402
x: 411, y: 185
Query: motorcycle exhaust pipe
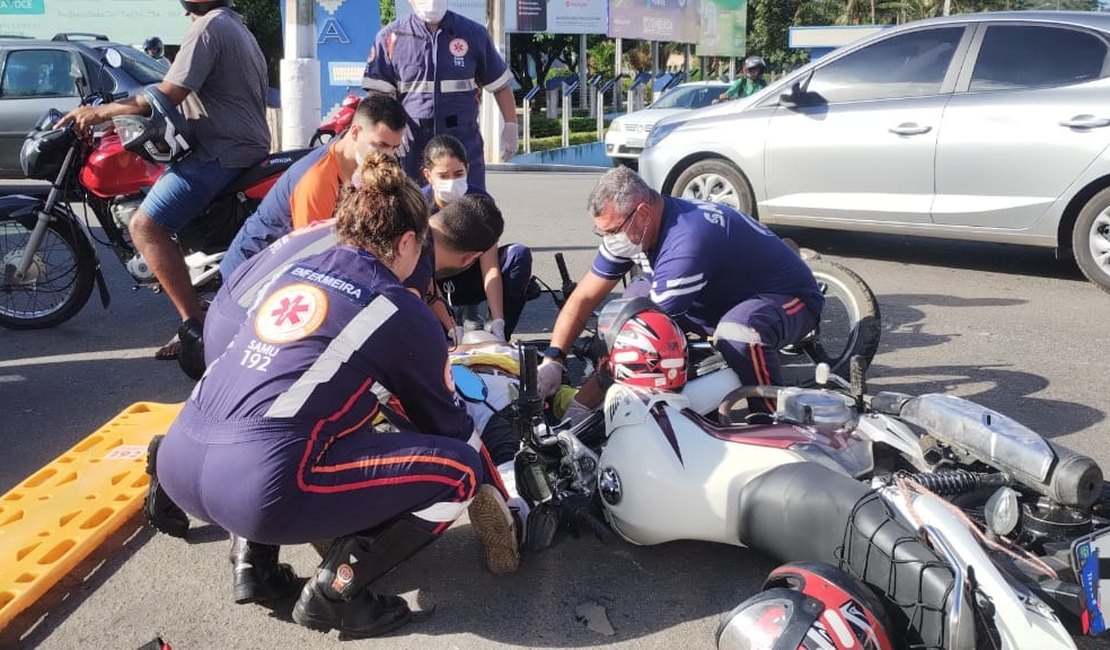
x: 1065, y: 476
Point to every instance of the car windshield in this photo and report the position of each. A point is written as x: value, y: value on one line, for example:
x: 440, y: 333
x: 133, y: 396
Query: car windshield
x: 690, y: 97
x: 139, y: 66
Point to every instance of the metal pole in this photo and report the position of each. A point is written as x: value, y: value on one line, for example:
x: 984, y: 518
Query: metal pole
x: 527, y: 126
x: 584, y: 90
x: 731, y: 69
x: 617, y: 56
x: 600, y: 114
x: 566, y: 119
x: 947, y: 7
x: 686, y: 61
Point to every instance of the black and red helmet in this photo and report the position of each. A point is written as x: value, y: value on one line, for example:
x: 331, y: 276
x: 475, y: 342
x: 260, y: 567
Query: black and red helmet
x: 807, y: 606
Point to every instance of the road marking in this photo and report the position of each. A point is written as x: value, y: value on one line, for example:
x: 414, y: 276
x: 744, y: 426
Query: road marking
x: 103, y: 355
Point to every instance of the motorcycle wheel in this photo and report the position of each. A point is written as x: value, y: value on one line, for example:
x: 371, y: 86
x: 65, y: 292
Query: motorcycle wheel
x: 59, y: 280
x: 850, y: 322
x: 321, y: 137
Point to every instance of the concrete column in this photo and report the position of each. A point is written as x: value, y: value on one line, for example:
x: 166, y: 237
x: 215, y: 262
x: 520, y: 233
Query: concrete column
x: 489, y: 116
x: 300, y: 75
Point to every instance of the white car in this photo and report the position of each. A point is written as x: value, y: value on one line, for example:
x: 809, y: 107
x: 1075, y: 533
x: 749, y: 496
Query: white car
x: 627, y: 134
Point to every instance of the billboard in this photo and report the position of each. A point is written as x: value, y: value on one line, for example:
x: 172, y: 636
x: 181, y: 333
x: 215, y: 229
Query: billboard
x: 724, y: 28
x: 124, y: 21
x: 557, y: 16
x: 676, y: 21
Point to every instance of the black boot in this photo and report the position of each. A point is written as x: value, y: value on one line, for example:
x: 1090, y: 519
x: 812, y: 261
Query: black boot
x: 190, y: 356
x: 161, y: 511
x: 258, y: 576
x: 338, y: 596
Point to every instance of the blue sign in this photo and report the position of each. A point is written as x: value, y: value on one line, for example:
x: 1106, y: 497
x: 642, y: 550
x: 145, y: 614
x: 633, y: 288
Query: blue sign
x: 345, y: 31
x: 36, y: 7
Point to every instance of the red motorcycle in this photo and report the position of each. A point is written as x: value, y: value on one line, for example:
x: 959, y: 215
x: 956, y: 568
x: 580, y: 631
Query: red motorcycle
x: 48, y: 261
x: 338, y: 123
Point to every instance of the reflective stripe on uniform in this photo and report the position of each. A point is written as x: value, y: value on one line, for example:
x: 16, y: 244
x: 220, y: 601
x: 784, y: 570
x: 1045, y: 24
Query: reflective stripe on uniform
x: 338, y: 352
x: 250, y: 296
x: 377, y: 85
x: 457, y: 85
x: 416, y: 86
x: 500, y: 82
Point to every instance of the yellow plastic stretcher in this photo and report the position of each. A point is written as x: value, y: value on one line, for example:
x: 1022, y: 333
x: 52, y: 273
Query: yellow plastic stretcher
x: 53, y: 520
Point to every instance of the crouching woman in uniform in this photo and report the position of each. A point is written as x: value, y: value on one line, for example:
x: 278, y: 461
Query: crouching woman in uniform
x: 272, y: 444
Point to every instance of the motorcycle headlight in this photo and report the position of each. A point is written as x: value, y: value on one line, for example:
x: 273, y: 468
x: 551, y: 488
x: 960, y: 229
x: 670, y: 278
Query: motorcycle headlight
x: 659, y: 132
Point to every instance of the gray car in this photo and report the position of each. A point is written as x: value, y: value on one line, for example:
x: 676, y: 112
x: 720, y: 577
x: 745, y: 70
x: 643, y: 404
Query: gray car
x: 37, y: 75
x: 990, y: 127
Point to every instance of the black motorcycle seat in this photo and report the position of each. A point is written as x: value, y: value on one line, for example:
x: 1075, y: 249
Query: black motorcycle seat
x: 275, y: 163
x: 798, y: 512
x: 808, y: 512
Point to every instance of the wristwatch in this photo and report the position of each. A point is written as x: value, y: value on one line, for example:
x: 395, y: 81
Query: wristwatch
x: 556, y: 354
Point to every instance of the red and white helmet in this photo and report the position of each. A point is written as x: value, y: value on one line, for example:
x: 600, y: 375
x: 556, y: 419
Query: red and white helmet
x: 646, y: 348
x: 807, y: 606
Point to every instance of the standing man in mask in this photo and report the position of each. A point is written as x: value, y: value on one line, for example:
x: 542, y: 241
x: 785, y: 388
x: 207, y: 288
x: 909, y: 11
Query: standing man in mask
x: 434, y: 61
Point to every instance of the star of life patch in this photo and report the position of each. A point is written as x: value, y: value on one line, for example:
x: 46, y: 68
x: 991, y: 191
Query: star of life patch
x: 291, y: 313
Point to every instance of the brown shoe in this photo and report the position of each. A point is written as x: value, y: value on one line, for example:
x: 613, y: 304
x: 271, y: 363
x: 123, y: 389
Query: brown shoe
x: 493, y: 524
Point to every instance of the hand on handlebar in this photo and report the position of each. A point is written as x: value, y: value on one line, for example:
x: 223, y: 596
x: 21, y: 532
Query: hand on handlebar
x: 549, y: 376
x: 84, y: 118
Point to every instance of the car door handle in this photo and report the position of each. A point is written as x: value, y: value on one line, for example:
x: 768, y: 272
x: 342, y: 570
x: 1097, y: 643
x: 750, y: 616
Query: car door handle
x: 910, y: 128
x: 1086, y: 122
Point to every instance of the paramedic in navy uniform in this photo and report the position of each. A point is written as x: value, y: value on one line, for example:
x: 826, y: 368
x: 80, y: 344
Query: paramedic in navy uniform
x: 714, y: 270
x: 271, y: 445
x: 435, y: 61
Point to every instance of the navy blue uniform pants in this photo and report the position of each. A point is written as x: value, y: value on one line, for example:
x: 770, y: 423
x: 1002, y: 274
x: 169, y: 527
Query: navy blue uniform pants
x: 270, y: 484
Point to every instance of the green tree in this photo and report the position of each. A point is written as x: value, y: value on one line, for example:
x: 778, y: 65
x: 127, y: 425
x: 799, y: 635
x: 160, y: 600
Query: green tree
x: 388, y: 9
x: 768, y: 25
x: 263, y: 18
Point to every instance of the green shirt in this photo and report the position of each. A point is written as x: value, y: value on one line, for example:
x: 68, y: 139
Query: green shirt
x: 744, y: 86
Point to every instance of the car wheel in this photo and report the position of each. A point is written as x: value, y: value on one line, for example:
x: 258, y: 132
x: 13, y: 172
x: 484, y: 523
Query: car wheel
x: 715, y: 181
x: 1090, y: 240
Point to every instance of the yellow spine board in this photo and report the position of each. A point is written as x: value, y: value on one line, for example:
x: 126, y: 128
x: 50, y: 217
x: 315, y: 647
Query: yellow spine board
x: 58, y: 516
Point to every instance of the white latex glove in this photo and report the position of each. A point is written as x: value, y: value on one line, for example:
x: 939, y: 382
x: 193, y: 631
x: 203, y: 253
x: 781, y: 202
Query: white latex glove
x: 497, y: 328
x: 456, y: 336
x: 510, y: 140
x: 549, y: 376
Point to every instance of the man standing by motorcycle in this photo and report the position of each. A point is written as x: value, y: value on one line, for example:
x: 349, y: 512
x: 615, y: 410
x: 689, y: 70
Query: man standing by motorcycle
x: 435, y: 61
x: 714, y: 270
x: 308, y: 191
x: 219, y: 81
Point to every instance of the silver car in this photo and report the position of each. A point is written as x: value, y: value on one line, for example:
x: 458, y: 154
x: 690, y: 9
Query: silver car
x: 990, y: 127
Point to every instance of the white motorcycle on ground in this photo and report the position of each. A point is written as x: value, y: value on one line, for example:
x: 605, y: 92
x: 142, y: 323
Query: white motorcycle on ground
x: 970, y: 529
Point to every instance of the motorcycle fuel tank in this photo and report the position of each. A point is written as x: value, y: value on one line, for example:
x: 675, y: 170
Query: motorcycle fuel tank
x: 664, y: 476
x: 113, y: 171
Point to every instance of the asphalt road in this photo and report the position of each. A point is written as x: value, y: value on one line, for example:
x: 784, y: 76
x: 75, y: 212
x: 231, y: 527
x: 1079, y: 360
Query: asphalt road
x: 1009, y: 327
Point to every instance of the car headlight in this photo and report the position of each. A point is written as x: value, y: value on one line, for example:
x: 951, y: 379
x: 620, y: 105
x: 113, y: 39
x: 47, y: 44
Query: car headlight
x: 659, y: 132
x: 615, y: 125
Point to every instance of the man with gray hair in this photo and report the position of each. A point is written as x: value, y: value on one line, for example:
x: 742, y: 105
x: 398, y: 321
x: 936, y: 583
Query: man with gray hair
x: 710, y: 266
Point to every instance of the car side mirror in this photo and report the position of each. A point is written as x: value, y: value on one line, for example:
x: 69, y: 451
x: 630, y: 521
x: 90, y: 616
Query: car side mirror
x: 793, y: 97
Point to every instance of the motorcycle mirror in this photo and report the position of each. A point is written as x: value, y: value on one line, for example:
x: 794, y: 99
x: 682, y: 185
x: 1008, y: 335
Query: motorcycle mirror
x: 1002, y: 511
x: 468, y: 384
x: 112, y: 57
x: 821, y: 375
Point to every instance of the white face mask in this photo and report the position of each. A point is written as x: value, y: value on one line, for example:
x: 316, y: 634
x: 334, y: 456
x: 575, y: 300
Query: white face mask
x: 451, y: 189
x: 430, y: 11
x: 620, y: 245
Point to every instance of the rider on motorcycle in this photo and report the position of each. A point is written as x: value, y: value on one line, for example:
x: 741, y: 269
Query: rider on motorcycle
x: 268, y: 445
x: 156, y: 49
x: 219, y: 82
x: 714, y: 270
x: 308, y: 190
